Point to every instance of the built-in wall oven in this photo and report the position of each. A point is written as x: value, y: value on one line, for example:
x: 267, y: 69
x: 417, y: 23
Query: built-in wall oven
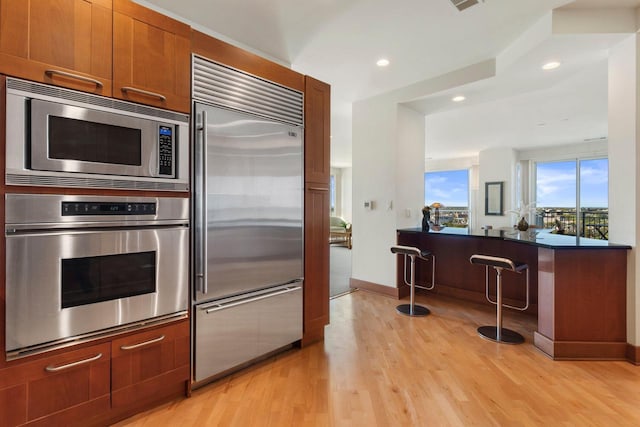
x: 65, y: 138
x: 81, y: 267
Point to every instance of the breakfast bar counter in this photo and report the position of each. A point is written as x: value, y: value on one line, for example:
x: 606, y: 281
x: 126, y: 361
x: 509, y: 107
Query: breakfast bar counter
x: 577, y: 285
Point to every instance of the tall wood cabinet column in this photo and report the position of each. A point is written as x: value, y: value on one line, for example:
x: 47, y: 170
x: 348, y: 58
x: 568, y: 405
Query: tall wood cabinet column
x: 317, y: 97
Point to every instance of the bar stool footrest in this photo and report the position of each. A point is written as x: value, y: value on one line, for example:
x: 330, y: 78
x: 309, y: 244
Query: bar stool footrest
x: 418, y: 310
x: 507, y: 336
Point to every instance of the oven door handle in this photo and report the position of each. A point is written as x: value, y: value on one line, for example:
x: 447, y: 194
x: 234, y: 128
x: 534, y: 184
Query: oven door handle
x: 64, y: 229
x: 201, y: 210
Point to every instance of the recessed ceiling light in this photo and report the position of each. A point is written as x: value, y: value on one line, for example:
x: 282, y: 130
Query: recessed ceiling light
x: 551, y: 65
x: 458, y: 98
x: 382, y: 62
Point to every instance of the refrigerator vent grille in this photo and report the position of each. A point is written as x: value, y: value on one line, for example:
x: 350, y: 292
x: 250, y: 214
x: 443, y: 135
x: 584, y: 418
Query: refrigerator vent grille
x: 218, y: 84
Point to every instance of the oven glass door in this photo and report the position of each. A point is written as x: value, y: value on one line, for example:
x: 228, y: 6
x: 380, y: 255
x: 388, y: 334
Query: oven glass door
x: 88, y: 280
x: 67, y: 138
x: 67, y: 283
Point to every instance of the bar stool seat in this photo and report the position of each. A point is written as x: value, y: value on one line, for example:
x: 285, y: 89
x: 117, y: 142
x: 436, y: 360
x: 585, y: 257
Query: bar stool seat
x: 412, y: 252
x: 498, y: 333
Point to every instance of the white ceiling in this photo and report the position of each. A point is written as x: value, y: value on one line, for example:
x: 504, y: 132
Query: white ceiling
x: 339, y: 41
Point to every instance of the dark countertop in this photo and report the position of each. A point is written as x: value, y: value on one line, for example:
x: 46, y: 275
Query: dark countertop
x: 536, y: 237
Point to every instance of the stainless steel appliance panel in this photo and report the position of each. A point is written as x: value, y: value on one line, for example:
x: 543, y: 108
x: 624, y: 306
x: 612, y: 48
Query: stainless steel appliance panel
x: 163, y: 147
x: 28, y: 211
x: 248, y: 203
x: 70, y: 280
x: 233, y: 331
x: 137, y: 156
x: 280, y: 318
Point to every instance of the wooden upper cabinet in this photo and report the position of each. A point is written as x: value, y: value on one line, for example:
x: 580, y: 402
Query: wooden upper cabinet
x: 62, y: 42
x: 151, y: 57
x: 317, y: 109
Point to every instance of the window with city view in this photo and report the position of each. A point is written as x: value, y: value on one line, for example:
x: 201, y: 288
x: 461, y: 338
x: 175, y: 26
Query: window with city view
x: 451, y: 189
x: 572, y: 197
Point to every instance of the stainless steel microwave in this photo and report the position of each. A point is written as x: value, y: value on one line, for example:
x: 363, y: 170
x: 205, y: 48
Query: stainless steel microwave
x: 64, y: 138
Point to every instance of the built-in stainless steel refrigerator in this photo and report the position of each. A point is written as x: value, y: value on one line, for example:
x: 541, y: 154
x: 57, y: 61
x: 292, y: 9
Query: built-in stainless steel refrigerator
x: 248, y: 236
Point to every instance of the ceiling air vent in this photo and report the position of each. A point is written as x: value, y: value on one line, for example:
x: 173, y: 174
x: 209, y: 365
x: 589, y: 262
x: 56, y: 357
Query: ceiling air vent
x: 463, y: 4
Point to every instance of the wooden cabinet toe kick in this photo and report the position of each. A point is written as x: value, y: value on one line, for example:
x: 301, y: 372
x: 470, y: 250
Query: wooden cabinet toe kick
x: 580, y: 350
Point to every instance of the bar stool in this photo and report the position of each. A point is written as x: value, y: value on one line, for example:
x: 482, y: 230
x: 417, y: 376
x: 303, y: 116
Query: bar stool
x: 498, y: 333
x: 412, y: 252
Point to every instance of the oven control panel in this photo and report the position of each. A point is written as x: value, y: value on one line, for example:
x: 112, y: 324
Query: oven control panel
x: 165, y: 150
x: 107, y: 208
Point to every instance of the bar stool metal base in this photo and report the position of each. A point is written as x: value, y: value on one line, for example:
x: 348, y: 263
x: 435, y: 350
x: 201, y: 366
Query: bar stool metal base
x: 418, y: 310
x: 507, y: 336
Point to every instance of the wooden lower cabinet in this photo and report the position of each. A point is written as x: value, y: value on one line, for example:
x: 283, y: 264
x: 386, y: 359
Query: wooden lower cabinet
x: 316, y: 261
x: 66, y: 389
x: 150, y: 366
x: 99, y: 384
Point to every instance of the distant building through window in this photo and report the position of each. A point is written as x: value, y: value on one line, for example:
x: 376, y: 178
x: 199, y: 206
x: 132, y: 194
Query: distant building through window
x: 451, y: 189
x: 572, y: 197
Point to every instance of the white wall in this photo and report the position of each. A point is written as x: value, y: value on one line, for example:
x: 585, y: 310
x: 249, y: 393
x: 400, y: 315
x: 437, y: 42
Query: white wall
x: 343, y: 192
x: 566, y: 152
x: 388, y: 170
x: 624, y: 166
x: 347, y: 194
x: 374, y: 175
x: 409, y: 199
x: 497, y: 165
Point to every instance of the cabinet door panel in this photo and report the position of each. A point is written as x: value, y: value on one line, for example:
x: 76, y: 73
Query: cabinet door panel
x: 317, y: 109
x: 144, y: 358
x: 41, y: 38
x: 56, y: 387
x: 13, y: 405
x: 151, y: 58
x: 316, y: 261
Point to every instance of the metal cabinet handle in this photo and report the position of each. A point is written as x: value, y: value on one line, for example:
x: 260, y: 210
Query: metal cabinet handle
x: 53, y: 368
x: 219, y: 307
x: 201, y: 211
x: 144, y: 92
x: 142, y: 344
x: 51, y: 73
x: 318, y: 189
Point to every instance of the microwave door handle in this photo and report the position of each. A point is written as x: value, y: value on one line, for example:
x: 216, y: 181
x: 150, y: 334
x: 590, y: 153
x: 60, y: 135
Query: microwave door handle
x: 201, y: 210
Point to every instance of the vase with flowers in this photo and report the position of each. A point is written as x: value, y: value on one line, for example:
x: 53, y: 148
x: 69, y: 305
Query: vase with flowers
x: 523, y: 212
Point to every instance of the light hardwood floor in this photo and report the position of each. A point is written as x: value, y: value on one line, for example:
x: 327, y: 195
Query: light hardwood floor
x: 378, y: 368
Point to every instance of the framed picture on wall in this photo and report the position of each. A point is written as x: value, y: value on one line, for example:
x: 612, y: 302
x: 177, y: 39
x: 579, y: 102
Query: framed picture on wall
x: 493, y: 198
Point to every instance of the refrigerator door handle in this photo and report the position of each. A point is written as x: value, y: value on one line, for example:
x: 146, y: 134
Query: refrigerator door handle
x: 201, y: 210
x: 211, y: 309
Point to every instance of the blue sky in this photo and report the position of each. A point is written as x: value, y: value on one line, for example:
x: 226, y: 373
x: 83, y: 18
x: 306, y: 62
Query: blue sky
x: 556, y: 183
x: 451, y: 188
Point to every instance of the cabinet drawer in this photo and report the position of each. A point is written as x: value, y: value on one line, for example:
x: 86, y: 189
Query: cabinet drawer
x: 65, y: 387
x: 150, y: 365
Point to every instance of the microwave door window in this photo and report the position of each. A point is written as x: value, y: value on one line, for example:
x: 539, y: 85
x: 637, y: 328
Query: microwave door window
x: 81, y: 140
x: 109, y: 277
